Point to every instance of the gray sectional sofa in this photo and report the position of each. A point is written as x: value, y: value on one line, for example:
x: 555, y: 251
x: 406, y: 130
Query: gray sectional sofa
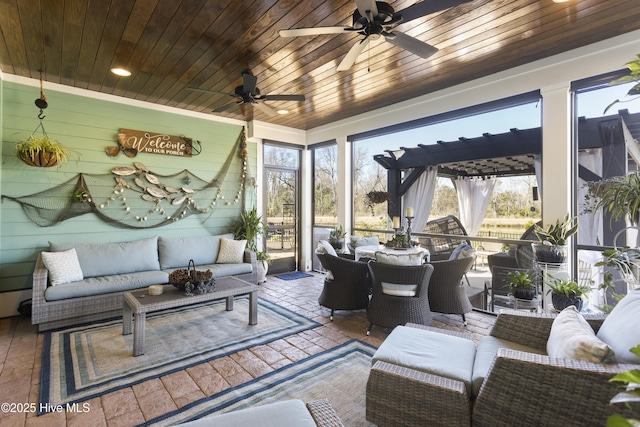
x: 109, y: 269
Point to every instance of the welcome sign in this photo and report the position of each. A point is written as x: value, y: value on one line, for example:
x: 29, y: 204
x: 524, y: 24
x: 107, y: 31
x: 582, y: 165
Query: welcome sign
x: 156, y: 143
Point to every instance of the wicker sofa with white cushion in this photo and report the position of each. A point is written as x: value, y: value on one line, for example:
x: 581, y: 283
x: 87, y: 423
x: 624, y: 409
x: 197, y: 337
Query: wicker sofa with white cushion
x: 75, y: 283
x: 532, y: 370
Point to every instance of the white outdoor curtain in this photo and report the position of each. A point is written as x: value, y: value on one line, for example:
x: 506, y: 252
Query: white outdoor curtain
x: 420, y: 197
x: 474, y: 195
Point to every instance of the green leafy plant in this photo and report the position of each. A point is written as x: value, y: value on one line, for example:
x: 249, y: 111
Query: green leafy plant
x: 41, y: 151
x: 633, y: 76
x: 519, y: 279
x: 620, y: 260
x: 559, y: 232
x: 568, y: 288
x: 337, y: 233
x: 248, y: 227
x: 631, y: 379
x: 620, y: 196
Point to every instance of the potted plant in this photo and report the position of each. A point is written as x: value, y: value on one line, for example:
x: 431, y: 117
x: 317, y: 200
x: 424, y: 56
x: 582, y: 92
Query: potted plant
x: 248, y: 227
x: 552, y: 247
x: 633, y: 76
x: 336, y: 237
x: 566, y: 292
x: 41, y: 151
x: 522, y: 285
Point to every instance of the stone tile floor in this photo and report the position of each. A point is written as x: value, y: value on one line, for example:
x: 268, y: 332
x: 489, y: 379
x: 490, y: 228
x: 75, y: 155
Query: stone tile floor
x: 21, y: 350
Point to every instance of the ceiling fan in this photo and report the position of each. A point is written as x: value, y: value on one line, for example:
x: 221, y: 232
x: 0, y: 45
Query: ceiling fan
x: 248, y: 93
x: 375, y: 19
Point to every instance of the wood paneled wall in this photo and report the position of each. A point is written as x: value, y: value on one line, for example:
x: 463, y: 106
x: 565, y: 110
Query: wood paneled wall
x: 88, y: 126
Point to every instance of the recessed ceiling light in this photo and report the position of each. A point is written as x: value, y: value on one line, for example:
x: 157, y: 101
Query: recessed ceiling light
x: 121, y: 72
x: 560, y: 1
x: 283, y: 111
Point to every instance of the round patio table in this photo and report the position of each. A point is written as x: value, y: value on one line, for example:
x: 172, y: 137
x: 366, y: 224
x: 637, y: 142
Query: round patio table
x: 369, y: 251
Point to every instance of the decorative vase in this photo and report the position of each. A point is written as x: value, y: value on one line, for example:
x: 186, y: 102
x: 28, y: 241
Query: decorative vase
x: 560, y: 302
x: 549, y: 254
x: 262, y: 267
x: 527, y: 293
x: 43, y: 159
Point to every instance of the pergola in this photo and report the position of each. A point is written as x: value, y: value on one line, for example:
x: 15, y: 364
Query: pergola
x: 510, y: 154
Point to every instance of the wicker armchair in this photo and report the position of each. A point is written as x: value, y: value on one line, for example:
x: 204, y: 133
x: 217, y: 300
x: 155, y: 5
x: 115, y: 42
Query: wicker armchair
x: 347, y: 288
x: 520, y: 388
x: 440, y: 248
x: 389, y: 311
x: 447, y: 294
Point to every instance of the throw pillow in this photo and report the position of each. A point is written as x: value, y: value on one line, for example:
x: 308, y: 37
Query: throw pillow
x: 364, y: 241
x: 325, y: 247
x: 63, y: 267
x: 399, y: 289
x: 620, y: 329
x: 463, y: 250
x: 399, y: 259
x: 571, y: 337
x: 231, y: 251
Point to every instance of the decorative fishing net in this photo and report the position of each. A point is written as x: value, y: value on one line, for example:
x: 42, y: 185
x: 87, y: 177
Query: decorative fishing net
x: 134, y: 197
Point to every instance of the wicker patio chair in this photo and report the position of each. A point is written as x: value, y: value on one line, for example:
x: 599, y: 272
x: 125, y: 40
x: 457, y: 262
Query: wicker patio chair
x: 388, y: 310
x: 447, y: 293
x: 520, y: 388
x: 440, y: 248
x: 348, y: 285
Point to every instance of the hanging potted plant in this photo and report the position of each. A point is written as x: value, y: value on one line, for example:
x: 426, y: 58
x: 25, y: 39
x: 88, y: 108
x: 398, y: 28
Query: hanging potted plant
x: 42, y: 151
x: 565, y: 292
x: 521, y: 284
x: 552, y: 247
x: 248, y: 227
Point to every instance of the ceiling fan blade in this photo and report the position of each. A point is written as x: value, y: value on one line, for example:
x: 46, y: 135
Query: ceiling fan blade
x: 297, y: 32
x: 427, y: 7
x: 369, y: 6
x: 226, y: 107
x: 265, y: 108
x: 196, y: 89
x: 350, y: 58
x: 249, y: 83
x: 411, y: 44
x: 298, y: 98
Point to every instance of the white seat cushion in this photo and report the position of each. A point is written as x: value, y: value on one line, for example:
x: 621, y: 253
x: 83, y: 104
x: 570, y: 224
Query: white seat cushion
x: 431, y: 352
x: 399, y: 289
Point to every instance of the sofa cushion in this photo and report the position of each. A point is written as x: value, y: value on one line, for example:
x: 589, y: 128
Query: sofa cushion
x: 290, y: 413
x: 620, y: 329
x: 63, y: 267
x: 325, y: 247
x: 399, y: 289
x: 104, y: 259
x: 399, y: 259
x: 431, y: 352
x: 175, y: 252
x: 486, y: 352
x: 105, y: 284
x: 571, y: 337
x: 463, y: 250
x: 357, y: 241
x: 231, y: 251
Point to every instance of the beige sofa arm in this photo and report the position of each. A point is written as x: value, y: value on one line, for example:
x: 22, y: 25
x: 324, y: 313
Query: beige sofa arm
x: 529, y: 389
x: 397, y: 395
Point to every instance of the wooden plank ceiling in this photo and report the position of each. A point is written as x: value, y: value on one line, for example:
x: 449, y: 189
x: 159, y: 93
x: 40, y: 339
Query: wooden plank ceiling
x: 172, y: 45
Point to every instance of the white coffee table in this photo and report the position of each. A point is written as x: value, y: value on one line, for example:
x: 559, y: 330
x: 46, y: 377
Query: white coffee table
x: 136, y: 305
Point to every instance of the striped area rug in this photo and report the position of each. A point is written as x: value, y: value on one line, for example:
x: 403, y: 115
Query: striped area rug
x: 339, y: 374
x: 79, y: 363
